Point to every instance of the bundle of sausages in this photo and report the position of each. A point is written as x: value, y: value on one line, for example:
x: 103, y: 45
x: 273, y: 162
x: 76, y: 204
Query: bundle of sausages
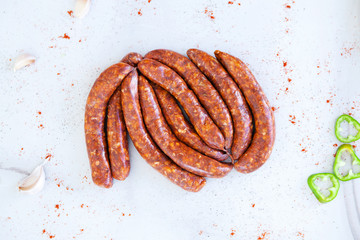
x: 226, y: 115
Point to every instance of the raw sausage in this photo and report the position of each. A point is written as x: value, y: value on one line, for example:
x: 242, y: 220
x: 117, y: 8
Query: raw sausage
x: 264, y: 137
x: 182, y: 129
x: 132, y: 59
x: 180, y: 153
x: 204, y: 90
x: 232, y: 96
x: 95, y: 112
x: 144, y: 143
x: 116, y: 138
x: 174, y: 84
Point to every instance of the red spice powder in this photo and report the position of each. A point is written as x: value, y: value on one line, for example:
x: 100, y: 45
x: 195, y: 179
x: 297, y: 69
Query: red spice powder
x: 57, y: 206
x: 292, y: 119
x: 41, y: 126
x: 39, y: 112
x: 262, y: 236
x: 70, y: 13
x: 209, y: 13
x: 232, y: 232
x: 304, y: 150
x: 139, y: 12
x: 49, y: 156
x: 288, y: 6
x: 335, y: 145
x: 253, y: 205
x: 65, y: 36
x: 328, y: 101
x: 289, y: 79
x: 43, y: 231
x: 81, y: 230
x: 58, y: 74
x: 149, y: 1
x: 51, y: 236
x: 353, y: 146
x: 230, y: 2
x: 80, y: 40
x: 284, y: 64
x: 317, y: 163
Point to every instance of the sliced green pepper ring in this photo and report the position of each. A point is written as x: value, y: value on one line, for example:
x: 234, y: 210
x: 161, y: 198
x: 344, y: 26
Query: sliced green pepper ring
x: 340, y: 163
x: 352, y: 122
x: 318, y: 192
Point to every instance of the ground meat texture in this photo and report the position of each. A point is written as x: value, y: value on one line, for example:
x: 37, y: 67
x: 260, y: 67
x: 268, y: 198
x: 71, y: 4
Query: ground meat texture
x: 183, y: 130
x: 95, y: 112
x: 232, y: 96
x: 132, y: 59
x: 181, y: 154
x: 204, y: 90
x: 144, y: 143
x: 264, y: 137
x: 116, y: 138
x: 174, y: 84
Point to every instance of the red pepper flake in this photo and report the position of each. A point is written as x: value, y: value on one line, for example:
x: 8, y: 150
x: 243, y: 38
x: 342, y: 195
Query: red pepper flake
x: 58, y: 184
x: 129, y: 214
x: 284, y: 64
x: 230, y: 2
x: 292, y: 119
x: 353, y: 146
x: 10, y: 59
x: 72, y: 84
x: 51, y: 236
x: 39, y: 112
x: 123, y: 214
x: 289, y: 79
x: 286, y: 89
x: 288, y: 6
x: 65, y: 36
x: 232, y: 232
x: 149, y: 1
x: 262, y: 236
x: 317, y: 163
x: 139, y: 12
x: 49, y: 156
x: 70, y: 13
x: 201, y: 232
x: 81, y: 230
x: 209, y: 13
x: 304, y: 150
x: 347, y: 51
x: 327, y: 101
x: 335, y: 145
x: 253, y: 205
x: 43, y: 231
x: 41, y: 126
x: 58, y: 74
x: 22, y: 149
x: 57, y: 206
x: 80, y: 40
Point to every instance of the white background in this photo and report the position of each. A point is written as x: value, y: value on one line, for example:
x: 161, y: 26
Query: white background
x: 319, y: 41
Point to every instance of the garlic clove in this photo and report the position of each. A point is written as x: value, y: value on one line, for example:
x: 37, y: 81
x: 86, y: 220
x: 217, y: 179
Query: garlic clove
x: 35, y: 182
x: 23, y: 61
x: 82, y: 7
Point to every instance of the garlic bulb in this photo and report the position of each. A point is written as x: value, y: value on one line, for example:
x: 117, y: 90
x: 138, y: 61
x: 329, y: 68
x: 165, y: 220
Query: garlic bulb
x: 81, y: 8
x: 33, y: 183
x: 23, y: 61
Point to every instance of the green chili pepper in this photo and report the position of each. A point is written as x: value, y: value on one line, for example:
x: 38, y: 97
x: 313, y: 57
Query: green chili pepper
x: 340, y: 163
x: 352, y: 122
x: 333, y: 191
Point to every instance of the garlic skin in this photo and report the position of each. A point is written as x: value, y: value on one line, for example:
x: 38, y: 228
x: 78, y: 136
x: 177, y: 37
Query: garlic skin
x: 33, y: 183
x: 82, y: 7
x: 23, y: 61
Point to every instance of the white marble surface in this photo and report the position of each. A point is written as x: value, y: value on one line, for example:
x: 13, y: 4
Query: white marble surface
x: 319, y: 41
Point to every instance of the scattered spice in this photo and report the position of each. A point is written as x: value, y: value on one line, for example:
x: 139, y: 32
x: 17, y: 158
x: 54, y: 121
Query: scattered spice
x: 58, y: 74
x: 149, y: 1
x: 289, y: 79
x: 41, y: 126
x: 304, y: 150
x: 288, y: 6
x: 209, y: 13
x: 230, y: 2
x: 284, y: 63
x: 57, y: 206
x: 353, y: 146
x: 232, y: 232
x: 70, y: 13
x: 48, y: 156
x: 335, y: 145
x: 253, y: 205
x: 65, y: 36
x: 292, y: 119
x: 299, y: 234
x: 139, y: 12
x: 328, y: 101
x: 262, y: 236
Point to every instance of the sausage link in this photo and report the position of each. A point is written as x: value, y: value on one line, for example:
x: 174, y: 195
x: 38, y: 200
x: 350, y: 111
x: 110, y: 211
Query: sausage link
x: 95, y: 112
x: 144, y: 143
x: 132, y: 59
x: 174, y: 84
x: 232, y: 96
x: 116, y: 138
x: 204, y: 90
x: 180, y: 153
x: 264, y: 137
x: 182, y: 129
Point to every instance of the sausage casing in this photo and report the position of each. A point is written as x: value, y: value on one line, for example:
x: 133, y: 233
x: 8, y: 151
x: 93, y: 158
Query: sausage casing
x: 204, y: 90
x: 182, y: 129
x: 232, y: 96
x: 264, y: 136
x: 132, y: 59
x: 116, y: 138
x: 95, y: 113
x: 144, y: 143
x: 180, y: 153
x: 174, y: 84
